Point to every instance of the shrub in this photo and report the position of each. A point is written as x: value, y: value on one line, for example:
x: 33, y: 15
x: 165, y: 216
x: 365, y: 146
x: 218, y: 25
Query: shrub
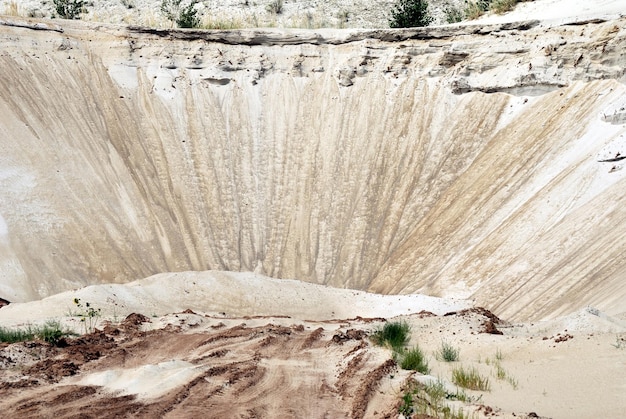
x: 470, y: 379
x: 414, y: 360
x: 395, y: 335
x: 454, y: 15
x: 410, y: 14
x: 184, y: 15
x: 88, y: 315
x: 275, y: 7
x: 188, y: 17
x: 52, y: 333
x: 69, y: 9
x: 447, y: 353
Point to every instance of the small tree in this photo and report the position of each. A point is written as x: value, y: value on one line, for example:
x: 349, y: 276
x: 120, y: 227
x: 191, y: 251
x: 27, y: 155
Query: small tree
x: 69, y: 9
x: 410, y: 14
x: 184, y: 15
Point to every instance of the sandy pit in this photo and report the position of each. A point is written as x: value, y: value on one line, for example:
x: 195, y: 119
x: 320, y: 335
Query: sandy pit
x: 244, y: 209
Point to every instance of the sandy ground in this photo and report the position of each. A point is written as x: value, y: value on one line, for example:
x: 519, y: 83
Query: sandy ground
x: 555, y: 12
x: 233, y: 357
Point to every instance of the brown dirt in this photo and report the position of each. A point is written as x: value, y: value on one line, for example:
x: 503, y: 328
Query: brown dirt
x: 244, y: 371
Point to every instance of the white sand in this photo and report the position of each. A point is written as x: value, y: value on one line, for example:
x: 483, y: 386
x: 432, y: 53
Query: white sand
x: 231, y: 293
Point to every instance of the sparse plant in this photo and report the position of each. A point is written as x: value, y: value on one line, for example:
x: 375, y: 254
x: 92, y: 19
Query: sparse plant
x: 429, y: 400
x: 69, y: 9
x: 342, y: 18
x: 476, y: 8
x: 470, y: 379
x: 447, y: 353
x: 620, y: 342
x: 502, y: 6
x: 183, y: 13
x: 52, y: 332
x: 414, y: 360
x: 501, y: 374
x: 512, y: 381
x: 16, y: 335
x: 210, y: 23
x: 410, y: 14
x: 275, y: 7
x: 88, y: 315
x: 406, y: 408
x: 12, y: 8
x: 394, y: 334
x: 129, y: 4
x: 188, y: 17
x: 454, y: 15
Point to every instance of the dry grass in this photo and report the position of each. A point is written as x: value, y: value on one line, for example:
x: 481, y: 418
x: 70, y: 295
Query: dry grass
x: 209, y: 22
x: 12, y: 9
x: 503, y: 6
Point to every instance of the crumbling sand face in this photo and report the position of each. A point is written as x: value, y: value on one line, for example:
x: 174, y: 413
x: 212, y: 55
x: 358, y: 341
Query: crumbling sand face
x: 454, y: 162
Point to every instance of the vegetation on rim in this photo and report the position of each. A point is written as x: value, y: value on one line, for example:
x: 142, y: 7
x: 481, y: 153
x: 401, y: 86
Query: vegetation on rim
x: 409, y: 14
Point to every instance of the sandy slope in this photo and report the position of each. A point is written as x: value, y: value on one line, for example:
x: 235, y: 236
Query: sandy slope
x: 234, y: 294
x: 555, y: 12
x: 356, y: 159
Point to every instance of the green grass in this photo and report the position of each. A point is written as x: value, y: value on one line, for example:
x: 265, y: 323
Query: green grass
x: 394, y: 334
x: 470, y: 379
x: 447, y: 353
x: 16, y: 335
x: 50, y: 332
x: 414, y: 360
x: 430, y: 400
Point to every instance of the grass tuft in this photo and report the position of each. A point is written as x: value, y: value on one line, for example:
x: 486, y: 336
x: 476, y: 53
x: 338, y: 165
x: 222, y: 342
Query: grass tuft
x: 16, y: 335
x: 12, y: 8
x: 430, y: 400
x: 470, y: 379
x: 414, y: 360
x: 50, y: 332
x: 447, y: 353
x: 394, y: 335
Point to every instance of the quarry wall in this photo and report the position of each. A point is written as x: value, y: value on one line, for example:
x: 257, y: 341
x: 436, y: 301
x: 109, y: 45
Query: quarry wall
x: 478, y: 162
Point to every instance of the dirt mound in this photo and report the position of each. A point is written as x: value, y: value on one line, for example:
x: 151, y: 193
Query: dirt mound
x: 270, y: 370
